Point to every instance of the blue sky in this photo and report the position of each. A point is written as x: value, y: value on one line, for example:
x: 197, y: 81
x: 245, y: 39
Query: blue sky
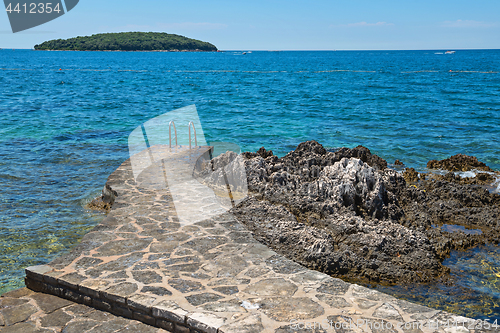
x: 283, y: 24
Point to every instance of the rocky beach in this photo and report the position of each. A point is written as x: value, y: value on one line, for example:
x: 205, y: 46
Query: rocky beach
x: 345, y: 213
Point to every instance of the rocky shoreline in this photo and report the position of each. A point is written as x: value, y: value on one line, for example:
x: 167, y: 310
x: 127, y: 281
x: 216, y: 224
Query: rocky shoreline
x: 345, y: 213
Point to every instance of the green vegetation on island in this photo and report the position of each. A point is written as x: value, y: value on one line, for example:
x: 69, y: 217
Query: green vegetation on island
x: 128, y: 41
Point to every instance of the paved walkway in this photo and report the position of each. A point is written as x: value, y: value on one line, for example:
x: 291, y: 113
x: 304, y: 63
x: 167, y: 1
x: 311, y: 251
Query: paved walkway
x: 141, y: 263
x: 26, y: 311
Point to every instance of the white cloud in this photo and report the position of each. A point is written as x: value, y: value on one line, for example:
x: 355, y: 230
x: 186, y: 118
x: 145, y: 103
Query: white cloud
x: 363, y: 24
x: 468, y: 24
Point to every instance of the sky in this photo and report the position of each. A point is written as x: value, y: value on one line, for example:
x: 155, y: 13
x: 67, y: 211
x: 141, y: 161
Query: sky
x: 283, y: 24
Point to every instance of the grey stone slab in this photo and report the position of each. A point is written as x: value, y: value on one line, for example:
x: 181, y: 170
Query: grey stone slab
x: 146, y: 266
x: 412, y: 307
x: 71, y: 280
x: 364, y: 303
x: 118, y: 293
x: 335, y: 287
x: 248, y: 324
x: 199, y: 299
x: 258, y: 271
x: 58, y: 318
x: 147, y: 277
x: 363, y: 292
x: 387, y: 311
x: 230, y: 266
x: 228, y: 290
x: 172, y: 237
x: 181, y: 260
x: 289, y: 308
x: 204, y: 322
x: 170, y: 311
x: 224, y: 306
x: 203, y: 245
x: 87, y: 262
x: 25, y: 328
x: 228, y: 282
x: 305, y: 327
x: 120, y: 247
x: 412, y: 327
x: 135, y: 327
x: 6, y: 302
x: 158, y: 291
x: 16, y: 314
x: 272, y: 287
x: 345, y: 324
x: 141, y: 303
x: 119, y: 264
x: 335, y: 302
x: 379, y: 326
x: 78, y: 309
x: 109, y: 326
x: 309, y: 278
x: 93, y: 287
x: 282, y: 265
x: 185, y: 286
x: 185, y: 267
x: 37, y: 272
x: 198, y: 276
x: 99, y: 316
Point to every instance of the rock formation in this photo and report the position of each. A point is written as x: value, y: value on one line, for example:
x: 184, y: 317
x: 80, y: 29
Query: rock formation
x: 458, y: 162
x: 344, y: 213
x: 105, y: 201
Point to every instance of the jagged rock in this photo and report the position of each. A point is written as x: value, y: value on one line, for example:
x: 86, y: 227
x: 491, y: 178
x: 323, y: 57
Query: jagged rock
x: 398, y: 162
x: 345, y: 214
x: 262, y: 152
x: 343, y: 244
x: 105, y: 201
x: 410, y: 175
x: 458, y: 162
x: 481, y: 178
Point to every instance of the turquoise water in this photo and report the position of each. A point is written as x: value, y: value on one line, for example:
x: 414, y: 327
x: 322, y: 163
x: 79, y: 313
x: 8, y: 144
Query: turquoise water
x: 65, y: 118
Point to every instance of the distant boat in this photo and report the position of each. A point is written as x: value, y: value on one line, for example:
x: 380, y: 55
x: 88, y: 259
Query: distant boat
x: 449, y: 52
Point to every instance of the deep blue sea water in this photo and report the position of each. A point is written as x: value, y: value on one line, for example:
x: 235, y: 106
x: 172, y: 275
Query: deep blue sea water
x: 65, y: 118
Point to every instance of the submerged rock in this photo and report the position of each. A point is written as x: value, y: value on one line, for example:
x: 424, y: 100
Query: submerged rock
x: 344, y: 213
x: 458, y: 162
x: 410, y: 175
x: 105, y: 201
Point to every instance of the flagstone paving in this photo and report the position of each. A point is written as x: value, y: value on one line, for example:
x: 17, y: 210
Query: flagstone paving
x: 26, y: 311
x: 144, y: 271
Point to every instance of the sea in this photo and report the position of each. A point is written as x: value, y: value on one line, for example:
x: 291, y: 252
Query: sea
x: 65, y: 117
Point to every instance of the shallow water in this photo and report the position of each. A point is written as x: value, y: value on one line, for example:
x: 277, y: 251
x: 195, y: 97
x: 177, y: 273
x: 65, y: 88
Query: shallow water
x: 475, y: 292
x: 65, y: 118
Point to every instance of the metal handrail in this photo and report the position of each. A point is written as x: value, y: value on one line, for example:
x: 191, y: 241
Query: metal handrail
x: 194, y: 130
x: 170, y: 133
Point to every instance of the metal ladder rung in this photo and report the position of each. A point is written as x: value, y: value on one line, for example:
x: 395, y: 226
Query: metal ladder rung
x: 194, y: 130
x: 170, y: 133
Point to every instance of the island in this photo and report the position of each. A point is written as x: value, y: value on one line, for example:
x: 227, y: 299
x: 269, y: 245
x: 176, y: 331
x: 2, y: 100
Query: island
x: 127, y: 41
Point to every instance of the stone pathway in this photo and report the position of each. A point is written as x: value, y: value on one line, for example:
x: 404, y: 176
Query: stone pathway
x: 25, y: 311
x: 141, y: 263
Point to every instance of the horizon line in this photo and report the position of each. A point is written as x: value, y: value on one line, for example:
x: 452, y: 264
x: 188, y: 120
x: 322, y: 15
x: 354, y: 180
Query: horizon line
x: 284, y: 50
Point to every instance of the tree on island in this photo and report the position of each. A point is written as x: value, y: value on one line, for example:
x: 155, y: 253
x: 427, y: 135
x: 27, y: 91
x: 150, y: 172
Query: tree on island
x: 128, y: 41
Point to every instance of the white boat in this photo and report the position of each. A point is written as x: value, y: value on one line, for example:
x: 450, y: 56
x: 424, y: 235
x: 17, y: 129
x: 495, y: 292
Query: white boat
x: 449, y: 52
